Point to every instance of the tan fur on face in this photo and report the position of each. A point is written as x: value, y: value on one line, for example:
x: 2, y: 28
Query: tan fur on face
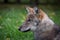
x: 42, y: 15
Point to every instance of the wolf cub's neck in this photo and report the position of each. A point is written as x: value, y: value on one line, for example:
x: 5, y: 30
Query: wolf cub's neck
x: 46, y: 24
x: 47, y: 20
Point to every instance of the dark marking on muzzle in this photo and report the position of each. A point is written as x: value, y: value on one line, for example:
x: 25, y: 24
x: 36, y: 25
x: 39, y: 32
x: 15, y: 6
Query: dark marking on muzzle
x: 24, y: 30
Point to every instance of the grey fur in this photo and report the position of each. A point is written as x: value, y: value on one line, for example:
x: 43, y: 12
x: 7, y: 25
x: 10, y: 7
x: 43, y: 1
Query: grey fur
x: 43, y: 29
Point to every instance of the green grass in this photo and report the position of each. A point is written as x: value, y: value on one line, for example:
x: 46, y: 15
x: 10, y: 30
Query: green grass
x: 11, y: 17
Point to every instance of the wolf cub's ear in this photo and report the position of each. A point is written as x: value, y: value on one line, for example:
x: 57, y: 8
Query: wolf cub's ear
x: 36, y: 10
x: 28, y: 8
x: 31, y: 10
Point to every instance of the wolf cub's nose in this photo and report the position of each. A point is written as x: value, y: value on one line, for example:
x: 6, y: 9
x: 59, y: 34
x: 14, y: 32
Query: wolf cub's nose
x: 19, y: 29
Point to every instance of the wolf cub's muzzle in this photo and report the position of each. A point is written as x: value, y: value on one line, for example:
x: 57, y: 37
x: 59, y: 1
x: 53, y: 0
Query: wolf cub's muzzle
x: 23, y: 30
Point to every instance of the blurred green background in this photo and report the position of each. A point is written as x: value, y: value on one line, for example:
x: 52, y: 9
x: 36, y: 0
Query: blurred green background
x: 13, y: 15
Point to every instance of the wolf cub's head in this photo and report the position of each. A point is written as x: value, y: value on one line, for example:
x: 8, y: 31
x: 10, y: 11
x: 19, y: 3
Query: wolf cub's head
x: 34, y: 17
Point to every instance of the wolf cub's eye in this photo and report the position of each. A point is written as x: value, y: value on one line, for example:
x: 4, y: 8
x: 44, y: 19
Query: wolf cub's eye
x: 29, y: 20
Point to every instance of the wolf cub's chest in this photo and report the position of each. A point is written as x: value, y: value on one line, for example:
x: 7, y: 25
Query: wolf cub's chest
x: 44, y: 32
x: 44, y: 35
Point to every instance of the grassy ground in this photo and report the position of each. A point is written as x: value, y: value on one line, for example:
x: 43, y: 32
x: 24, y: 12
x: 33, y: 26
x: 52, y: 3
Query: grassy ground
x: 12, y: 16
